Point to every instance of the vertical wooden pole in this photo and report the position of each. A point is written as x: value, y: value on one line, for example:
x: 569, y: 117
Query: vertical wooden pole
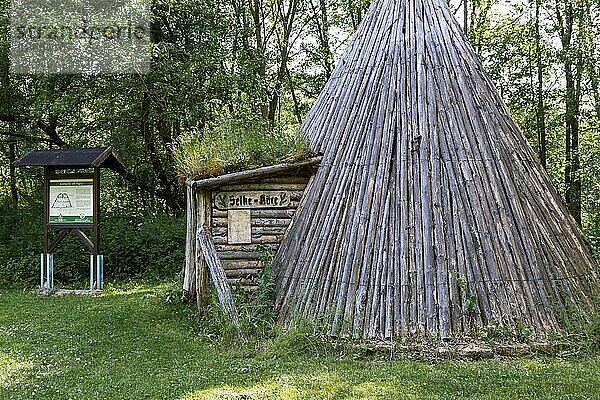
x: 46, y: 221
x: 203, y: 221
x: 96, y: 215
x: 465, y: 16
x: 189, y: 272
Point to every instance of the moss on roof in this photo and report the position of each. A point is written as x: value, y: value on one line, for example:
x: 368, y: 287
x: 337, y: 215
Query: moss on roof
x: 236, y: 146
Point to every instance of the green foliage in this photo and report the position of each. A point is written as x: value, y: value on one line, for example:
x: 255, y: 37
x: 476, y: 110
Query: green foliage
x: 265, y: 296
x: 152, y: 249
x: 470, y: 303
x: 581, y: 328
x: 505, y: 37
x: 20, y: 242
x: 214, y: 324
x: 590, y: 155
x: 303, y: 336
x: 499, y: 331
x: 235, y: 145
x: 594, y: 332
x: 256, y: 309
x: 141, y: 116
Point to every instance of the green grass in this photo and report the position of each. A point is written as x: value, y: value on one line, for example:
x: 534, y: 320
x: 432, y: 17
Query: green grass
x: 232, y: 146
x: 129, y: 343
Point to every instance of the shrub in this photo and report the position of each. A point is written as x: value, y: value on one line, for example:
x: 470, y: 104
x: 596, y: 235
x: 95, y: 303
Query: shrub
x: 20, y: 242
x: 152, y: 249
x: 304, y: 336
x: 594, y: 332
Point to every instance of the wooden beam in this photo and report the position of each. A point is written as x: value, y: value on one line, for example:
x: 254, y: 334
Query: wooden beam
x: 61, y: 235
x: 87, y: 242
x: 245, y: 176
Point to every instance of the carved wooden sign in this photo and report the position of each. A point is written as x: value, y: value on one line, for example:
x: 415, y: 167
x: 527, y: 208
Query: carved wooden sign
x: 241, y: 200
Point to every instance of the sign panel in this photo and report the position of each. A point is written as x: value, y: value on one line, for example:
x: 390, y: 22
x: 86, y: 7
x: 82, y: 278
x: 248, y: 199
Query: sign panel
x: 252, y: 199
x: 71, y: 201
x: 239, y: 227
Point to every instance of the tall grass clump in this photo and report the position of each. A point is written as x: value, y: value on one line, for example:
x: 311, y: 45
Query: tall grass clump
x: 234, y: 145
x: 256, y: 309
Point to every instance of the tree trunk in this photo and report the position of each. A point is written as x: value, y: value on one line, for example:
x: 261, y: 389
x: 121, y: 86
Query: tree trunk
x: 466, y: 17
x: 356, y: 12
x: 328, y: 59
x: 572, y: 164
x: 321, y: 18
x: 541, y: 109
x: 13, y: 176
x: 595, y: 88
x: 167, y: 191
x: 569, y: 125
x: 593, y: 58
x: 294, y: 98
x: 256, y: 11
x: 575, y: 206
x: 150, y: 130
x: 286, y: 17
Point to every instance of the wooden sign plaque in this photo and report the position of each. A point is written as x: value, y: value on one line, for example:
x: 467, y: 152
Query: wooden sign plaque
x: 244, y: 200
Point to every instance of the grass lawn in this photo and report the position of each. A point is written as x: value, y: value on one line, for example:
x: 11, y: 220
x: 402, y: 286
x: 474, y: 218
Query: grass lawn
x: 129, y: 343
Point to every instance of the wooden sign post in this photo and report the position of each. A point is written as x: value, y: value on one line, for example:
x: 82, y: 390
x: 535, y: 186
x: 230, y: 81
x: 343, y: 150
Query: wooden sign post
x: 72, y: 204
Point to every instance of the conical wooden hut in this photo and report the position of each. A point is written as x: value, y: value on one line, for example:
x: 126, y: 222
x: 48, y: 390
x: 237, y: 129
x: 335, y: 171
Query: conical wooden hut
x: 429, y: 213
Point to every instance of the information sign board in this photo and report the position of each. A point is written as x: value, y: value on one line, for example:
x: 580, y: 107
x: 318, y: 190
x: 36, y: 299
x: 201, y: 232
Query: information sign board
x: 71, y: 201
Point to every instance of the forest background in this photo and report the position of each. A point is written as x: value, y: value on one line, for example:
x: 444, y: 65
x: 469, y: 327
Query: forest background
x: 238, y: 68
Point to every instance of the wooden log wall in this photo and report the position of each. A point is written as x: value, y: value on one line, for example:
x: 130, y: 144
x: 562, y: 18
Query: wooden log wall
x: 268, y: 227
x: 267, y: 224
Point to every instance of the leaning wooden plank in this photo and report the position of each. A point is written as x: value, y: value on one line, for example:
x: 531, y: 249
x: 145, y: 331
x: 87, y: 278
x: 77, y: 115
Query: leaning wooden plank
x: 201, y: 282
x: 217, y: 273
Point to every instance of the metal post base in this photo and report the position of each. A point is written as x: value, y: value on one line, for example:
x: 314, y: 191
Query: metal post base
x: 97, y: 278
x: 47, y: 271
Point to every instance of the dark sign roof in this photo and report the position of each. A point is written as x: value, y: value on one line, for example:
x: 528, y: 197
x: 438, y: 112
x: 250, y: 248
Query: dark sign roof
x: 100, y: 157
